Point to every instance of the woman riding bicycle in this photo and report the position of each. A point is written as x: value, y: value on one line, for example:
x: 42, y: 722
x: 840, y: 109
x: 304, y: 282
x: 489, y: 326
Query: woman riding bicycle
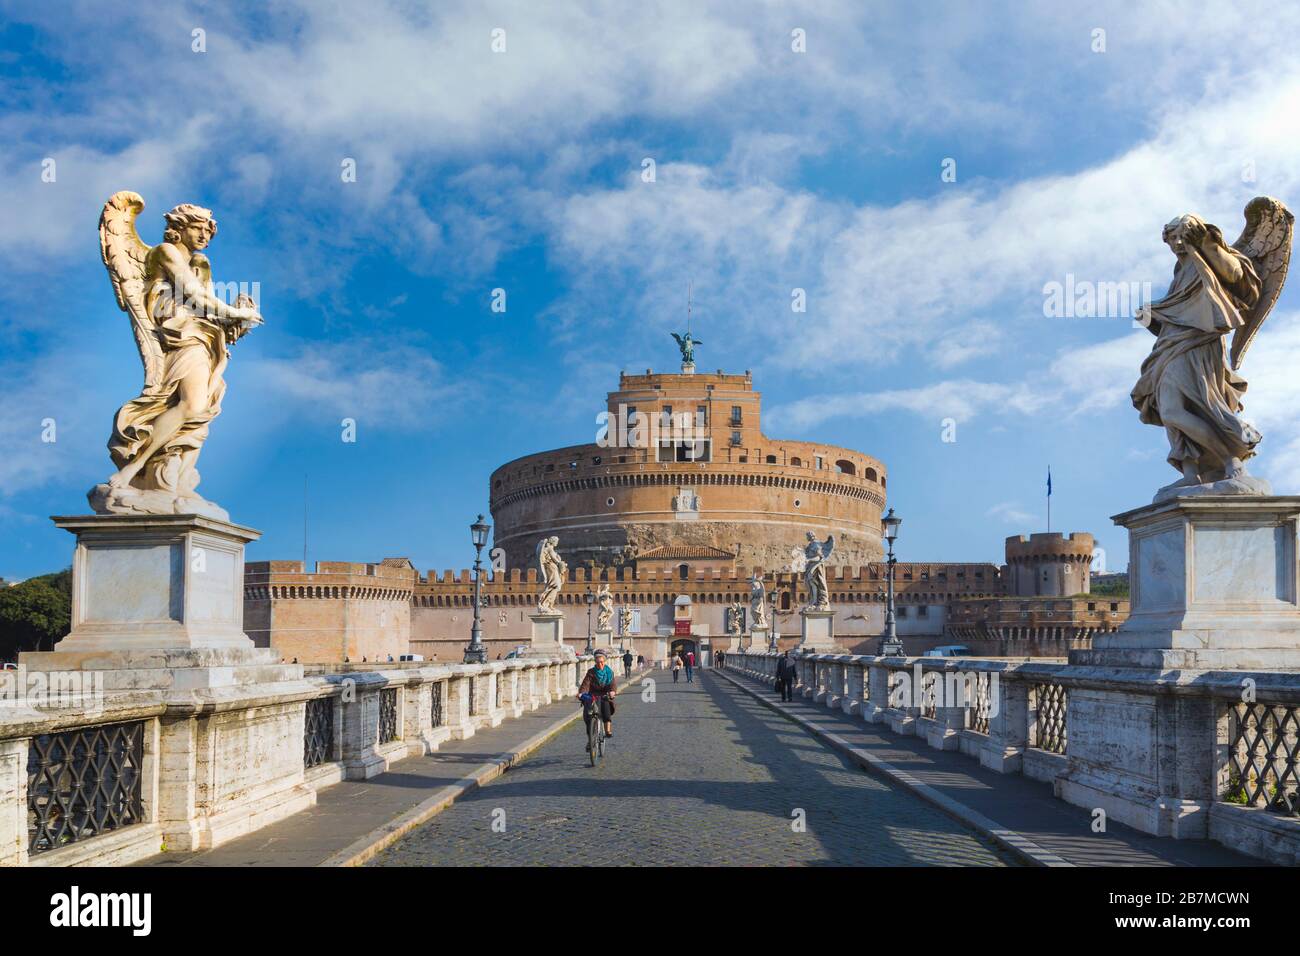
x: 598, y: 690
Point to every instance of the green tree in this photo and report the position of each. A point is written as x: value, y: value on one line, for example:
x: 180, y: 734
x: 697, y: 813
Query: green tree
x: 35, y: 614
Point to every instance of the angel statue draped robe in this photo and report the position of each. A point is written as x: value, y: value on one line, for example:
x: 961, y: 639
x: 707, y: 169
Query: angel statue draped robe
x: 183, y: 331
x: 551, y: 571
x: 814, y: 572
x: 1189, y: 383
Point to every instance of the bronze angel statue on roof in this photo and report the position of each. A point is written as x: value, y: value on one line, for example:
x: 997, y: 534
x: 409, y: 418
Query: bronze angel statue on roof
x: 687, y: 346
x: 183, y: 331
x: 1189, y: 383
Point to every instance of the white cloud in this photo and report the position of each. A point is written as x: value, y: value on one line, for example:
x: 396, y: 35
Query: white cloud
x: 1010, y: 512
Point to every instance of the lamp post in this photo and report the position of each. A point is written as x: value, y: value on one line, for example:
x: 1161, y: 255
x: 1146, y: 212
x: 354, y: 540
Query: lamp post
x: 589, y: 598
x: 771, y: 620
x: 476, y: 653
x: 890, y: 646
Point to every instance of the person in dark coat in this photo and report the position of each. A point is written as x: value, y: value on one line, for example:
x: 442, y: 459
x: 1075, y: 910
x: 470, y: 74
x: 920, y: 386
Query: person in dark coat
x: 786, y: 673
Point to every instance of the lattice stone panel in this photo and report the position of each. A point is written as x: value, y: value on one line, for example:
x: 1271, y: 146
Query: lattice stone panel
x: 978, y: 715
x: 388, y: 715
x: 930, y: 696
x: 1263, y: 753
x: 435, y: 710
x: 1053, y: 701
x: 83, y: 783
x: 318, y: 732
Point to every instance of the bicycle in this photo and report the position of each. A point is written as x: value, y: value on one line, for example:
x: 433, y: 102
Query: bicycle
x: 595, y: 729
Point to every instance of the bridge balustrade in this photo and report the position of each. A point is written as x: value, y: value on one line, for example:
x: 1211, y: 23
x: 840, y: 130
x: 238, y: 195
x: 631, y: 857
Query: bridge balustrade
x: 80, y: 781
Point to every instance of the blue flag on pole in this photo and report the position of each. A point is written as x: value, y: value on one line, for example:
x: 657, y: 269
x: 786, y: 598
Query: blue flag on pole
x: 1049, y: 481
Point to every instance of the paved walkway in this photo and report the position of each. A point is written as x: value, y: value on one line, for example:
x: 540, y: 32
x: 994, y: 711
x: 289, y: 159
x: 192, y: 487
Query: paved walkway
x: 703, y: 774
x: 1017, y: 804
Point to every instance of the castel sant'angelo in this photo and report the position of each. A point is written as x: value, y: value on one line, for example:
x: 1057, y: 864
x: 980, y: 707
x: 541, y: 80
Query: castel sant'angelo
x: 677, y: 503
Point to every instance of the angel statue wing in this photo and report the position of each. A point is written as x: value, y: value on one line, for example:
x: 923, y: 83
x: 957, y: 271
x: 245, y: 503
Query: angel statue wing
x: 124, y: 254
x: 828, y: 546
x: 680, y: 343
x: 1266, y: 240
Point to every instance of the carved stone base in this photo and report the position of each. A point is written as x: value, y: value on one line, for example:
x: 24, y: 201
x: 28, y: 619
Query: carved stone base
x: 105, y: 499
x: 548, y: 638
x: 818, y: 632
x: 1243, y: 485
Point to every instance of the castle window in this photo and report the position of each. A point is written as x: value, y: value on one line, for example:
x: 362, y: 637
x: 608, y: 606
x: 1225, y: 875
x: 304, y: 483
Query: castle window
x: 744, y: 459
x: 795, y: 461
x: 550, y: 467
x: 735, y: 415
x: 845, y: 467
x: 595, y: 459
x: 684, y: 571
x: 798, y: 503
x: 923, y: 611
x: 821, y: 463
x: 610, y: 502
x: 902, y: 611
x: 1114, y: 607
x: 870, y: 474
x: 771, y: 459
x: 702, y: 416
x: 785, y: 600
x: 735, y: 438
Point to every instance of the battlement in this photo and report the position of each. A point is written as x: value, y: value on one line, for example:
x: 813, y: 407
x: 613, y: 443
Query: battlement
x: 1078, y: 546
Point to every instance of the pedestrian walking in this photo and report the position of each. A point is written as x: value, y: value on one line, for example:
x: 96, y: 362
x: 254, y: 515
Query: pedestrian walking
x: 627, y: 663
x: 677, y: 667
x: 690, y: 667
x: 785, y: 676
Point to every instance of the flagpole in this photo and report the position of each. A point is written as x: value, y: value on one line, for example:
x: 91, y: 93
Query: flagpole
x: 1049, y: 499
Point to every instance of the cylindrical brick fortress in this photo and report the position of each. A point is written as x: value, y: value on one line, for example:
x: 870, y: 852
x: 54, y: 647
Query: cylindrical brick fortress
x: 709, y: 476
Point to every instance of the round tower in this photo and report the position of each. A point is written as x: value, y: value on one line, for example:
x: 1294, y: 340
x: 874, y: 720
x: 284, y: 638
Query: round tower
x: 1049, y: 564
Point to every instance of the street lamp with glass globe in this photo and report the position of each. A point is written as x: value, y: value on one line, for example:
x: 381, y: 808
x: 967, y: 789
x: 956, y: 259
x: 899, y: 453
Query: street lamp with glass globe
x: 476, y: 653
x: 890, y: 646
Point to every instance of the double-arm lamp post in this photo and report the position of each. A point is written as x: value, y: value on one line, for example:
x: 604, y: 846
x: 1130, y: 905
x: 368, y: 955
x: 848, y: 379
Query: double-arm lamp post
x: 890, y: 646
x: 476, y: 653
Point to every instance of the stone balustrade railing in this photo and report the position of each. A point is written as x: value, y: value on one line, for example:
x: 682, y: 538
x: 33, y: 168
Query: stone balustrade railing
x: 83, y: 784
x: 1232, y: 764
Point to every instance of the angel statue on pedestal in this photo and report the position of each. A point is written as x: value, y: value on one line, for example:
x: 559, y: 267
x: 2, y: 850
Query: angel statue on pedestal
x: 552, y: 570
x: 604, y: 609
x: 183, y: 331
x: 1189, y: 382
x: 736, y: 618
x: 625, y: 619
x: 757, y: 601
x: 814, y: 571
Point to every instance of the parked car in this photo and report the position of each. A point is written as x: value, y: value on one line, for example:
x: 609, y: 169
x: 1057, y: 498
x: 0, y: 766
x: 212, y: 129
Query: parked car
x: 948, y: 650
x: 518, y: 651
x: 6, y: 666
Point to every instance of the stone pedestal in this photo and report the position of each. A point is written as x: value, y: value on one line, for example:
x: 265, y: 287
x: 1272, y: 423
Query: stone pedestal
x: 817, y: 635
x: 158, y: 604
x: 759, y: 639
x: 604, y: 641
x: 548, y: 638
x: 1213, y: 586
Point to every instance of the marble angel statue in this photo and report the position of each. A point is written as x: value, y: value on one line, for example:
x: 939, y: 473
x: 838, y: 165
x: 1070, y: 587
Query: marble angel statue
x: 604, y: 609
x: 625, y: 619
x: 1189, y: 383
x: 183, y: 331
x: 757, y: 602
x: 814, y: 572
x: 552, y: 571
x: 736, y: 618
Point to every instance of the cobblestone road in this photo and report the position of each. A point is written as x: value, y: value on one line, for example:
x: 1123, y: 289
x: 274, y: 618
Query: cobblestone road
x: 701, y: 775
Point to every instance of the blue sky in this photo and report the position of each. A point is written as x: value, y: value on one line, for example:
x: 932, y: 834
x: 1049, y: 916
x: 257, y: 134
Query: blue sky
x: 521, y: 170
